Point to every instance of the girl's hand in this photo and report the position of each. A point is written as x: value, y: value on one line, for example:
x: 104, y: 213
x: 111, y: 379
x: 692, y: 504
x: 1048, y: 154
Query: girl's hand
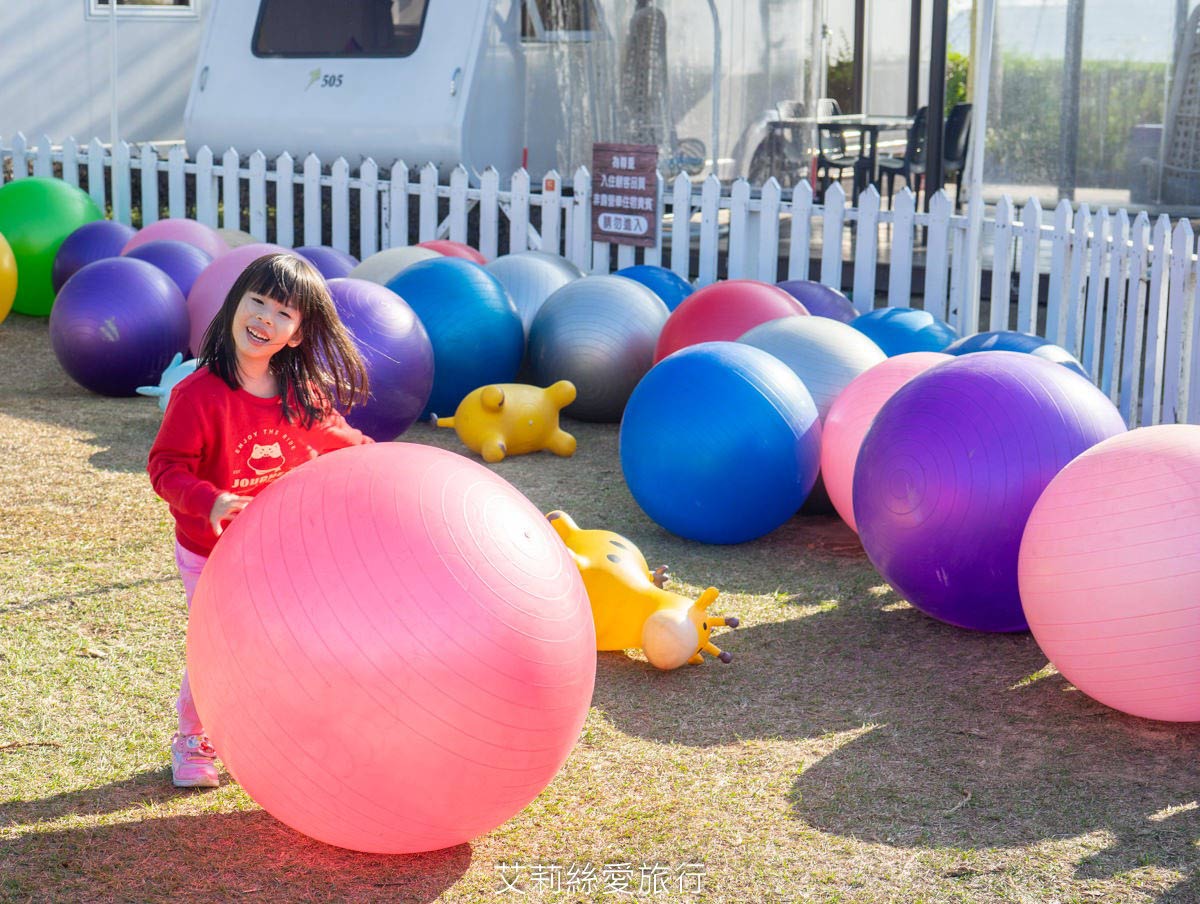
x: 226, y: 506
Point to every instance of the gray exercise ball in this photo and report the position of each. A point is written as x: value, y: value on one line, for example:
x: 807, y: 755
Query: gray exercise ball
x: 825, y: 354
x: 530, y: 278
x: 598, y: 332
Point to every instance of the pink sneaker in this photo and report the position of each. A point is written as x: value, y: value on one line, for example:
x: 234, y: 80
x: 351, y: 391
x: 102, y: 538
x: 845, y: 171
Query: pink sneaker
x: 192, y: 762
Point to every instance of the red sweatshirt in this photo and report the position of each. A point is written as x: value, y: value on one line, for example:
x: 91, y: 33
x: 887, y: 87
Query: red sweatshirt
x: 214, y: 439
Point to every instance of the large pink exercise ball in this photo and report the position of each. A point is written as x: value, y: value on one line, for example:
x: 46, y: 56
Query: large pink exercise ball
x: 190, y: 232
x: 213, y: 284
x: 850, y: 417
x: 391, y: 649
x: 1109, y: 572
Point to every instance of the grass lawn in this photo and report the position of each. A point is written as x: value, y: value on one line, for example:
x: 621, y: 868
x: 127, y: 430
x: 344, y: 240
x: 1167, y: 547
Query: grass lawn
x: 854, y: 750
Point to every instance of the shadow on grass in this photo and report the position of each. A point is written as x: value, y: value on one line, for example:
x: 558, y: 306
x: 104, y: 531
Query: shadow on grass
x: 38, y: 602
x: 33, y: 387
x: 144, y: 789
x: 214, y: 856
x: 941, y: 738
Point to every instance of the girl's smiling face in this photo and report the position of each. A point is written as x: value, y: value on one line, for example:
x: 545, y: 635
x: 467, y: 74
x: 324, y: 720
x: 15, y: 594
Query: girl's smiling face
x: 262, y: 326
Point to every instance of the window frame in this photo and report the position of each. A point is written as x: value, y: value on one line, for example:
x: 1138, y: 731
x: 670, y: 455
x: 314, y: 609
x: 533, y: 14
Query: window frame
x: 262, y: 6
x: 95, y: 10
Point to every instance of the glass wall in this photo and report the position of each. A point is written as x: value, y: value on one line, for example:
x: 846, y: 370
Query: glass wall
x: 1090, y: 132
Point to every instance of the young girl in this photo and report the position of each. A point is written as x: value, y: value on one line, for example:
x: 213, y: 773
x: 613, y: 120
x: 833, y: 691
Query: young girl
x: 274, y: 363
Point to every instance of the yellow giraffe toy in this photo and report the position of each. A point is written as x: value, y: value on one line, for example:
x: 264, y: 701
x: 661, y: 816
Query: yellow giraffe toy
x: 511, y: 419
x: 629, y: 605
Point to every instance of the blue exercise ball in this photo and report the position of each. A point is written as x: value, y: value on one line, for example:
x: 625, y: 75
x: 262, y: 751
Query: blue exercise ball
x: 820, y: 300
x: 472, y: 324
x: 1012, y: 341
x: 899, y: 331
x: 720, y: 443
x: 116, y: 325
x: 666, y: 284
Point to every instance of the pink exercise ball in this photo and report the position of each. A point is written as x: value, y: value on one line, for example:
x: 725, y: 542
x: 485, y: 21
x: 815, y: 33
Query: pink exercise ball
x: 725, y: 310
x: 454, y: 249
x: 190, y: 232
x: 1109, y: 572
x: 850, y: 418
x: 391, y: 649
x: 213, y: 284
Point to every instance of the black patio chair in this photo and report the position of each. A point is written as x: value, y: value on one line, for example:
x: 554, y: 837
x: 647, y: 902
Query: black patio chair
x: 955, y: 142
x: 831, y: 153
x: 911, y: 164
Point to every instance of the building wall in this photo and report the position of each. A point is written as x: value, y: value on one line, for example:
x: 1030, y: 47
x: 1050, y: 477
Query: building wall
x: 55, y: 71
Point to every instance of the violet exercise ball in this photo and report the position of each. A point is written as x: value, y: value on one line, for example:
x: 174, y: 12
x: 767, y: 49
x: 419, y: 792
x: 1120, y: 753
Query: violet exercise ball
x: 391, y: 649
x: 820, y: 300
x: 597, y: 332
x: 472, y: 323
x: 950, y: 469
x: 396, y: 352
x: 330, y: 263
x: 179, y: 260
x: 1110, y: 572
x: 89, y: 243
x: 116, y: 325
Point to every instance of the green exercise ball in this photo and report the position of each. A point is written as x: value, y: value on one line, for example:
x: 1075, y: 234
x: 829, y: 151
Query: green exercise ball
x: 35, y: 216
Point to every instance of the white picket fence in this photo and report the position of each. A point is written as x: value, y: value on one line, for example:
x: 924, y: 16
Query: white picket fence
x: 1121, y: 296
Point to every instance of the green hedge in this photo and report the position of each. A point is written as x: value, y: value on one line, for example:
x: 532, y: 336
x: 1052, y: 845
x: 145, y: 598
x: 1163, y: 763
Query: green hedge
x: 1026, y: 111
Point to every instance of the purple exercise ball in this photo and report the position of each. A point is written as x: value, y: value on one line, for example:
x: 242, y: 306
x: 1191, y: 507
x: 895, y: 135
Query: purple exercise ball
x: 89, y: 243
x: 116, y: 325
x: 179, y: 260
x: 820, y: 300
x: 397, y: 353
x: 951, y: 468
x: 330, y: 263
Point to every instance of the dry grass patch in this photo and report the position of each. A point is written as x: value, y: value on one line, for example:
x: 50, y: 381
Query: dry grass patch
x: 854, y: 751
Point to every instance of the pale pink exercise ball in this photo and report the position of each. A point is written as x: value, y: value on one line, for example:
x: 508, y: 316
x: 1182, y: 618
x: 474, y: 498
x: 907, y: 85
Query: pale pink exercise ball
x: 177, y: 229
x: 850, y: 418
x: 213, y: 284
x: 1109, y: 572
x: 391, y: 649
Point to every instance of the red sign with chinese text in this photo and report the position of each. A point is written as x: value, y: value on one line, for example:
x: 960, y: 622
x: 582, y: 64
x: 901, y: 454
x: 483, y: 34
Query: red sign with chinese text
x: 625, y: 194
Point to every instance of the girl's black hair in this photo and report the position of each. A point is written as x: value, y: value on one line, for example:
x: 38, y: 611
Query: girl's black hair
x: 323, y: 371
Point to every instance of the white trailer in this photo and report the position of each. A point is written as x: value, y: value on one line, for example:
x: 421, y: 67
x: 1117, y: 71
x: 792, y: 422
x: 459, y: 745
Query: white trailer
x: 499, y: 82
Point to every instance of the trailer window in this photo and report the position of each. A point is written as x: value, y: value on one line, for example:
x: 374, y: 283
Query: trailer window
x: 348, y: 28
x: 178, y: 9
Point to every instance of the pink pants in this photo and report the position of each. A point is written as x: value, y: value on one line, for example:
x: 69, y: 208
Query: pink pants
x: 190, y: 565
